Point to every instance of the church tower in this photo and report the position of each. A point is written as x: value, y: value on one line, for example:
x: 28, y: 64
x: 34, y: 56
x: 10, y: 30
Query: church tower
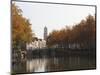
x: 45, y: 33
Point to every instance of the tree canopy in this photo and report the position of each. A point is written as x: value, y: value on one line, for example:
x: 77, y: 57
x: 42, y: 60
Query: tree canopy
x: 21, y: 27
x: 81, y: 34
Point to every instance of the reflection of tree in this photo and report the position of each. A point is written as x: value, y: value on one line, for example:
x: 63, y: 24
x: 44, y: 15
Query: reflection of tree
x: 81, y: 35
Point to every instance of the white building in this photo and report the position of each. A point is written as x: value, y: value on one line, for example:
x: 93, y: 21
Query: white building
x: 37, y: 44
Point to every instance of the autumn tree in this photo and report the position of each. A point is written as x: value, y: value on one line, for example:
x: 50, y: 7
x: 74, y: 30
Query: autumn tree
x: 81, y: 35
x: 21, y: 28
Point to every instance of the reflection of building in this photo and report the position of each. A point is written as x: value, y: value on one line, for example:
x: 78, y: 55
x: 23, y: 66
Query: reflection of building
x: 45, y: 33
x: 36, y: 44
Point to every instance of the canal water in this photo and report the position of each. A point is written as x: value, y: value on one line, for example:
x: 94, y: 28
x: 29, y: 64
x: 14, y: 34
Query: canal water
x: 54, y: 62
x: 60, y: 64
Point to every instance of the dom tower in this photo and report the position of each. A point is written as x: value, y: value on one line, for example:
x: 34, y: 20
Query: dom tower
x: 45, y: 33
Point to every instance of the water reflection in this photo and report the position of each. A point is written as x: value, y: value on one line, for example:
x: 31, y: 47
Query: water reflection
x: 36, y: 65
x: 55, y: 63
x: 59, y: 64
x: 42, y: 65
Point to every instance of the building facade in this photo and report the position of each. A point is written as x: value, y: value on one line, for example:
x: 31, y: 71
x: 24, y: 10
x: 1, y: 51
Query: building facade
x: 37, y: 44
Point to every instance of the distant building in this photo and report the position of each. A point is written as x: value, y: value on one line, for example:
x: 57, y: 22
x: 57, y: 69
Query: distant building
x: 36, y: 44
x: 45, y: 33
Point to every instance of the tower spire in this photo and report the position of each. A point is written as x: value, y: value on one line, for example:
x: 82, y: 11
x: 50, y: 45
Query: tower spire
x: 45, y: 33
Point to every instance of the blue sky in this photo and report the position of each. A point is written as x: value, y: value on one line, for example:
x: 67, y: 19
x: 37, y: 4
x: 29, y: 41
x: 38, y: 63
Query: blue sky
x: 53, y: 16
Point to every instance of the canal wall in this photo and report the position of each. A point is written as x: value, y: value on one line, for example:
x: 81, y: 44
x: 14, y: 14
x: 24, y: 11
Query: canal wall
x: 59, y: 52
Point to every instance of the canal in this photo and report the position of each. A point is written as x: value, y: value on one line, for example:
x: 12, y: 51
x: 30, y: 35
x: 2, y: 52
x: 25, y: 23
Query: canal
x: 51, y: 61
